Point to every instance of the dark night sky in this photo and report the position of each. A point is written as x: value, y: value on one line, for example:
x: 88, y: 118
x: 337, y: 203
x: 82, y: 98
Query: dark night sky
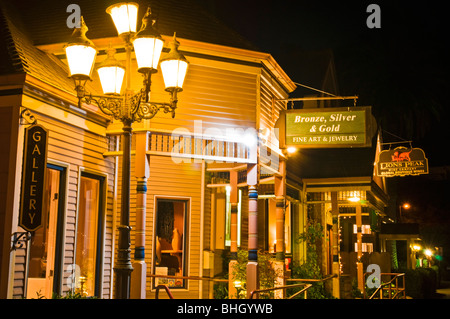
x: 401, y: 70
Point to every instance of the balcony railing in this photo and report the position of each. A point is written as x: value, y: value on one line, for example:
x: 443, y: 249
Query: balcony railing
x: 183, y: 145
x: 194, y: 146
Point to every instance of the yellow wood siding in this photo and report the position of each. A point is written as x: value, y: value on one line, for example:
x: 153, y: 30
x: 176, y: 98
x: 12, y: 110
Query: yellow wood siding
x: 269, y: 106
x: 244, y: 219
x: 219, y: 98
x: 81, y: 149
x: 169, y: 180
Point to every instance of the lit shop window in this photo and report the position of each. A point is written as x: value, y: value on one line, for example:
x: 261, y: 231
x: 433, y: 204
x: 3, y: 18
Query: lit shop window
x: 365, y: 247
x: 44, y: 268
x: 228, y: 218
x: 88, y: 240
x: 365, y: 229
x: 170, y: 242
x: 272, y: 227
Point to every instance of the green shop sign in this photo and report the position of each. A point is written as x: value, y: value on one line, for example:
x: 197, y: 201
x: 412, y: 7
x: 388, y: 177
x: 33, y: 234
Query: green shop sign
x: 326, y: 127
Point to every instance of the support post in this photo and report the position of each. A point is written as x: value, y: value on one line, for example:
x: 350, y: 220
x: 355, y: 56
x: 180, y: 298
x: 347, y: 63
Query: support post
x: 232, y: 291
x: 280, y: 196
x: 359, y: 264
x: 252, y: 264
x: 335, y: 245
x: 123, y: 267
x: 138, y: 277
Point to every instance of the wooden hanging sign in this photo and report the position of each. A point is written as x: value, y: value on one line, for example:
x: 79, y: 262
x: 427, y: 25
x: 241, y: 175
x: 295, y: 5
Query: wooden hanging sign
x: 402, y: 161
x: 326, y: 127
x: 33, y: 178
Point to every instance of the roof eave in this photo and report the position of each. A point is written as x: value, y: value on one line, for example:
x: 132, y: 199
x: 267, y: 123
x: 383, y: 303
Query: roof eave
x: 194, y: 46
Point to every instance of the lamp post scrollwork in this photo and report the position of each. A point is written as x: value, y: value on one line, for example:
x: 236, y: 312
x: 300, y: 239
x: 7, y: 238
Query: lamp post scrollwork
x: 128, y: 107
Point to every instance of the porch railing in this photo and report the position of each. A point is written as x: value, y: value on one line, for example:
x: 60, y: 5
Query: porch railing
x: 186, y: 145
x: 304, y: 290
x: 166, y: 288
x: 391, y: 289
x: 306, y: 282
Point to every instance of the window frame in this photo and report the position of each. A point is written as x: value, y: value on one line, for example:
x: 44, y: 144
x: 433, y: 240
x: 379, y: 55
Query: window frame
x: 101, y: 223
x: 186, y: 237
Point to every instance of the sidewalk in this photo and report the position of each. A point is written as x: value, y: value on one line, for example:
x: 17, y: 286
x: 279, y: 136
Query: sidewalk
x: 444, y: 291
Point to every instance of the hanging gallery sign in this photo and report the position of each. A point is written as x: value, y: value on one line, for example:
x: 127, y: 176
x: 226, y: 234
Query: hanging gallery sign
x: 402, y: 161
x: 326, y: 127
x: 33, y: 176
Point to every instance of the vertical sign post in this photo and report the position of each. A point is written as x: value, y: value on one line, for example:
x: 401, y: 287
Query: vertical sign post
x: 33, y: 178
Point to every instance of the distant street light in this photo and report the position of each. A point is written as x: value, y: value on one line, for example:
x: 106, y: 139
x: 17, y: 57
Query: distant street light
x: 404, y: 206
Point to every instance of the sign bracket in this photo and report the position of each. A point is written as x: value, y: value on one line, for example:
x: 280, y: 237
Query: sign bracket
x: 20, y: 240
x: 320, y: 98
x: 27, y: 118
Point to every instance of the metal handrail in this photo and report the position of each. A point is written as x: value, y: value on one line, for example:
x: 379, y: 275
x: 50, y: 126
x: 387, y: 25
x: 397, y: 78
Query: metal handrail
x: 312, y: 280
x: 307, y: 283
x: 166, y: 288
x: 307, y: 286
x: 304, y: 290
x: 397, y: 289
x: 187, y: 277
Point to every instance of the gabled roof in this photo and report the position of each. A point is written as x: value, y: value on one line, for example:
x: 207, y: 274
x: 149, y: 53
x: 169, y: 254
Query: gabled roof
x: 18, y: 54
x: 30, y: 27
x: 46, y: 21
x: 27, y: 24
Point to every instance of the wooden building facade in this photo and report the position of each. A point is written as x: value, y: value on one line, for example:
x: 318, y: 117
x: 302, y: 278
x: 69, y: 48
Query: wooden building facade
x: 231, y: 90
x: 203, y: 184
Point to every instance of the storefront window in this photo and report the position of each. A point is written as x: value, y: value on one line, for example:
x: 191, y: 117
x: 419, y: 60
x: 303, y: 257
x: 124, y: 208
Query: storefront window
x: 365, y: 229
x: 45, y: 248
x: 228, y: 218
x: 272, y: 222
x: 170, y: 242
x: 87, y: 257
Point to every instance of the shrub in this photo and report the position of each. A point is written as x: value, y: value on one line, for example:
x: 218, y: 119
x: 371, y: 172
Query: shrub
x: 310, y: 268
x: 267, y: 274
x: 221, y: 290
x: 421, y: 283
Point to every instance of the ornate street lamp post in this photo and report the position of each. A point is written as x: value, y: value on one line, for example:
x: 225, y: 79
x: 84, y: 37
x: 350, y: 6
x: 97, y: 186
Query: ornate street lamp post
x: 129, y: 107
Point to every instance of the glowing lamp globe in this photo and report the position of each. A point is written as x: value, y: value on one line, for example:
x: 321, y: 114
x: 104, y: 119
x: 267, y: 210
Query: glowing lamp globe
x: 124, y: 16
x: 174, y: 68
x: 80, y: 53
x: 148, y: 45
x: 111, y: 73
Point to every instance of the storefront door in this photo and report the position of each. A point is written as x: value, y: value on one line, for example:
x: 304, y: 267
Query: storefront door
x: 44, y: 252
